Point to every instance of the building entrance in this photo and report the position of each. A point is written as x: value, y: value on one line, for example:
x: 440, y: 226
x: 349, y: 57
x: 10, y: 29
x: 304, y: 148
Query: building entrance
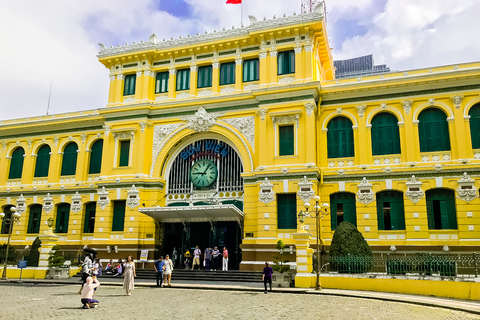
x: 187, y: 235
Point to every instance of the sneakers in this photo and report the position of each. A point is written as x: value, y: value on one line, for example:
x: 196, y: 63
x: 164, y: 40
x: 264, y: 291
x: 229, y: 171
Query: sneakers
x: 85, y: 307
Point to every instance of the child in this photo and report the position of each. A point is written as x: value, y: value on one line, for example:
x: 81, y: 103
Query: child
x: 87, y: 293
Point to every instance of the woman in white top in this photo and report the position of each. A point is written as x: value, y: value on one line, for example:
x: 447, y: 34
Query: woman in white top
x: 167, y: 273
x: 129, y: 275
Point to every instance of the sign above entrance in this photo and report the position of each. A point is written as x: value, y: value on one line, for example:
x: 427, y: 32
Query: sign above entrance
x: 217, y: 149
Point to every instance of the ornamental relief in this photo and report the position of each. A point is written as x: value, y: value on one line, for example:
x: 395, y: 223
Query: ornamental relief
x: 414, y: 190
x: 103, y: 199
x: 365, y: 193
x: 202, y: 120
x: 246, y: 125
x: 47, y: 203
x: 133, y: 199
x: 266, y: 194
x: 76, y: 203
x: 466, y: 190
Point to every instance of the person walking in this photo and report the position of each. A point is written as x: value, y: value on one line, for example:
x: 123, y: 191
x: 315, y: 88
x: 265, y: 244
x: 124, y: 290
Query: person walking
x: 187, y: 259
x: 215, y: 254
x: 207, y: 258
x: 129, y: 275
x: 196, y: 258
x: 225, y: 259
x: 87, y: 267
x: 159, y: 267
x: 168, y: 271
x: 267, y: 276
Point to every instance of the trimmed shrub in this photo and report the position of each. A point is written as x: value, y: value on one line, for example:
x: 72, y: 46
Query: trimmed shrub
x: 34, y: 255
x: 280, y: 259
x: 349, y: 252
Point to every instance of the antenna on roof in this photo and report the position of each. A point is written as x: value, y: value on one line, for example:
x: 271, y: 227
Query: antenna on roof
x: 49, y: 95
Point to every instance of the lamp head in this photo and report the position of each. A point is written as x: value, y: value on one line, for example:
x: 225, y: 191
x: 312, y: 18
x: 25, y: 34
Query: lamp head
x: 50, y: 222
x: 16, y: 215
x: 306, y: 205
x: 301, y: 216
x: 316, y: 198
x: 2, y: 215
x: 326, y: 206
x: 13, y: 209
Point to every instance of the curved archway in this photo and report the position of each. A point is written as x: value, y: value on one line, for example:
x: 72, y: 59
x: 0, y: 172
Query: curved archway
x: 474, y: 120
x: 16, y: 163
x: 69, y: 161
x: 343, y: 208
x: 96, y: 152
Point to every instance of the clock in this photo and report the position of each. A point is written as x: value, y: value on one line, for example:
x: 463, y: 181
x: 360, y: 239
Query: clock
x: 203, y: 173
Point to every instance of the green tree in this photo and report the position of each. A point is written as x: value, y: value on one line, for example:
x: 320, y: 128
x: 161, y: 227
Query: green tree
x: 349, y: 252
x: 280, y: 259
x: 34, y: 255
x: 56, y: 259
x: 12, y: 254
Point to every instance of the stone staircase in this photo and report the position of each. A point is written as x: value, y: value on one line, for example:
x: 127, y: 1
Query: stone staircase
x: 199, y: 275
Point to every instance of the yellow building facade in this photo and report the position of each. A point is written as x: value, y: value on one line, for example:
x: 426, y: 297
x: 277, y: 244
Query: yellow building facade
x: 219, y: 139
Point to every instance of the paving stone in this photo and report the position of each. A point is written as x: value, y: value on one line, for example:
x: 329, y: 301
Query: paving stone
x: 47, y: 301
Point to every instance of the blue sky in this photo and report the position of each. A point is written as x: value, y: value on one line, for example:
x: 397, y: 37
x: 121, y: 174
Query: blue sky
x: 57, y: 41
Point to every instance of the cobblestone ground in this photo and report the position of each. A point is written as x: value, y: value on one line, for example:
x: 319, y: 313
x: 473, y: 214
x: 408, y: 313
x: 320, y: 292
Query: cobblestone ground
x: 29, y: 301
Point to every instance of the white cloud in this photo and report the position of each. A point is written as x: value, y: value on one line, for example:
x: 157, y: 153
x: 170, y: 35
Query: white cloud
x: 55, y: 40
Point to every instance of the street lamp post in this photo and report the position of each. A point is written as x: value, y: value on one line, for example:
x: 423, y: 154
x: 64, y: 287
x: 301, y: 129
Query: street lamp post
x: 14, y: 216
x: 318, y: 214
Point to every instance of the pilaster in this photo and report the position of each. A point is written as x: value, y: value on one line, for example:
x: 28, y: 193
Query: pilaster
x: 299, y: 63
x: 193, y: 80
x: 263, y: 69
x: 172, y: 81
x: 216, y: 77
x: 304, y: 277
x: 238, y: 74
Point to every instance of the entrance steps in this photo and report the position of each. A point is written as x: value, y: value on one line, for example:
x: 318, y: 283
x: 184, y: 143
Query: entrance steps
x: 200, y: 275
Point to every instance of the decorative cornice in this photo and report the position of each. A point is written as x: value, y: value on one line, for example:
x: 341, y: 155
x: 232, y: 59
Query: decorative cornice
x: 255, y: 26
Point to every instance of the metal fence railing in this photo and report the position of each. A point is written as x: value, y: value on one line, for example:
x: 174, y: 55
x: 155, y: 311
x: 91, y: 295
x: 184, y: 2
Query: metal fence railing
x: 442, y: 265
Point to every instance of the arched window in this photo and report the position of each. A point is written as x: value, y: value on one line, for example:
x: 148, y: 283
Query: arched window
x: 343, y: 208
x: 441, y: 212
x: 69, y: 163
x: 340, y: 138
x: 390, y: 210
x: 385, y: 134
x: 90, y: 210
x: 433, y: 130
x: 43, y: 161
x: 35, y: 218
x: 474, y: 114
x: 63, y: 214
x: 16, y: 164
x: 96, y: 157
x: 8, y: 214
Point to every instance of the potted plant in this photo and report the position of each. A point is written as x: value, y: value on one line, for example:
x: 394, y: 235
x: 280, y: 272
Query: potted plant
x: 281, y: 276
x: 56, y: 261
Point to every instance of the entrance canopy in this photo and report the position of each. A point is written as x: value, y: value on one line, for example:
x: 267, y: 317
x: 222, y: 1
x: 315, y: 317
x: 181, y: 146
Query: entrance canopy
x: 204, y: 213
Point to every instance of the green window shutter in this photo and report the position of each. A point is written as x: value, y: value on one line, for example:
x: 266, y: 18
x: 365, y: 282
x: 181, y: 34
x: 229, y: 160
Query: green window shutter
x: 286, y: 62
x: 287, y: 211
x: 380, y: 218
x: 333, y: 211
x: 183, y: 79
x: 286, y: 140
x: 129, y: 84
x: 16, y: 164
x: 124, y: 153
x: 433, y: 130
x: 385, y: 134
x: 63, y: 213
x: 441, y: 212
x: 350, y: 208
x: 204, y: 77
x: 227, y: 73
x: 251, y: 70
x: 89, y: 223
x: 161, y: 82
x: 474, y: 114
x: 34, y: 219
x: 340, y: 138
x: 96, y: 157
x: 430, y: 216
x: 118, y: 220
x: 69, y: 162
x: 42, y: 163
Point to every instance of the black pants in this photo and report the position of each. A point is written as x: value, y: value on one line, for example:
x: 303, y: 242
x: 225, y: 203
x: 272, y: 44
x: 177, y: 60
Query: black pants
x: 214, y: 263
x: 267, y: 280
x: 159, y: 275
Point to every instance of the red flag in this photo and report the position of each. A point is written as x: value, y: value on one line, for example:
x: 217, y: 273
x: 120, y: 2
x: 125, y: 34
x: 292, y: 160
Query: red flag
x: 234, y: 1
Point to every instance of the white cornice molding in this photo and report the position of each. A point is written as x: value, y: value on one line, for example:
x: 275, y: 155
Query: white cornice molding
x: 255, y: 26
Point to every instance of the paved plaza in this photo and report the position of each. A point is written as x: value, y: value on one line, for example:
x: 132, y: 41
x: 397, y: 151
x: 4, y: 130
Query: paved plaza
x: 49, y: 301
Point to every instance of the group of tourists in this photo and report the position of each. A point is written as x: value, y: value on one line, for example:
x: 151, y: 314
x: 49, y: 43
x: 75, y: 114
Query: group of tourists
x: 211, y: 259
x: 91, y: 270
x: 163, y: 271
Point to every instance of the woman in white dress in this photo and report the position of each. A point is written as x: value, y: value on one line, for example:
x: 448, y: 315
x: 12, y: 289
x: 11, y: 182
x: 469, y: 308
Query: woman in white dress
x: 129, y: 275
x: 167, y: 273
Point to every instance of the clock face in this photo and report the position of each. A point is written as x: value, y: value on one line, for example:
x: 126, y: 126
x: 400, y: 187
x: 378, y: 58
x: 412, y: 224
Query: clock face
x: 204, y: 173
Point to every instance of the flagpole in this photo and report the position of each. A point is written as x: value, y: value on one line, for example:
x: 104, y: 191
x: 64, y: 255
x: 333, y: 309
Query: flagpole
x: 241, y: 14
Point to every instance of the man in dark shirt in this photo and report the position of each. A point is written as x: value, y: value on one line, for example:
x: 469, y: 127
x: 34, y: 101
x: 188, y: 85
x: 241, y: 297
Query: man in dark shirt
x: 267, y: 276
x: 207, y: 257
x: 159, y: 267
